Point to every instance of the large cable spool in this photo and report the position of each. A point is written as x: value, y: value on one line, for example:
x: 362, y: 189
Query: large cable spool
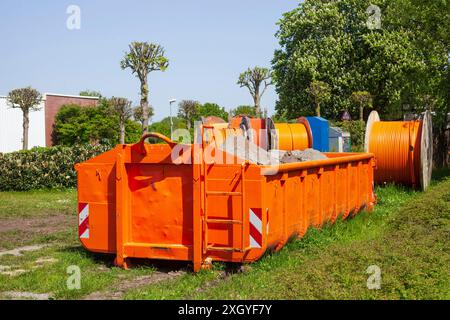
x: 403, y: 150
x: 254, y: 129
x: 290, y: 136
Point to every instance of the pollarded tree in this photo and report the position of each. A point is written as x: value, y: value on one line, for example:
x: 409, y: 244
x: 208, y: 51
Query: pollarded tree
x: 320, y: 93
x: 187, y: 110
x: 121, y: 107
x: 137, y: 114
x: 363, y: 100
x: 143, y: 58
x: 252, y: 79
x: 27, y: 99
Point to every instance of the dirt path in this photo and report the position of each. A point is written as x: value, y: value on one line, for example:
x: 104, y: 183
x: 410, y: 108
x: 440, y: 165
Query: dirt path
x: 122, y: 287
x: 48, y: 224
x: 20, y: 230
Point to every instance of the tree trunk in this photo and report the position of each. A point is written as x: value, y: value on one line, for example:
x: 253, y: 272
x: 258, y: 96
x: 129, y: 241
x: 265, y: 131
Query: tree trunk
x: 26, y: 125
x: 317, y: 109
x: 122, y: 132
x: 257, y: 100
x: 144, y: 104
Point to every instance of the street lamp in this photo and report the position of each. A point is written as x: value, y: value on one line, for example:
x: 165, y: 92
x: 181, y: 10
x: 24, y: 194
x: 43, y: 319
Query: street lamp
x: 171, y: 121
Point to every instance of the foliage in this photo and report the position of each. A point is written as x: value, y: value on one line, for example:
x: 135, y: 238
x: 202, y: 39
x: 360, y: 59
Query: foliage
x: 143, y: 58
x: 211, y: 109
x: 121, y: 108
x: 137, y: 114
x: 244, y: 110
x: 187, y: 110
x: 400, y: 64
x: 320, y: 93
x: 42, y: 168
x: 26, y: 99
x: 252, y: 79
x: 90, y: 93
x: 163, y: 127
x: 78, y: 125
x: 363, y: 100
x: 357, y: 130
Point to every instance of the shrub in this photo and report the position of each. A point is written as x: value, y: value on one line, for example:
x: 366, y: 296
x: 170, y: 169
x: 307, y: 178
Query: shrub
x: 81, y: 125
x: 357, y: 130
x: 44, y: 168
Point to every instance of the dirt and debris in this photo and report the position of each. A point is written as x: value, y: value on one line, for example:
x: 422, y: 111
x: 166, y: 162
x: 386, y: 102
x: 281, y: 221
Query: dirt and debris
x: 17, y: 252
x: 127, y: 284
x: 246, y: 150
x: 302, y: 156
x: 19, y: 295
x: 42, y: 225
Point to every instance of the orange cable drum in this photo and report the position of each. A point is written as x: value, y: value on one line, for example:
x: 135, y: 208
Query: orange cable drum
x: 402, y: 150
x: 291, y: 136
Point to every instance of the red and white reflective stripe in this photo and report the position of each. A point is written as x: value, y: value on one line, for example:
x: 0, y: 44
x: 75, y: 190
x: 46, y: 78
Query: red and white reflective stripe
x: 83, y: 220
x: 256, y: 227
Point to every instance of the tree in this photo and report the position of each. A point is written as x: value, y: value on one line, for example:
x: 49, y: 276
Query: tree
x: 79, y: 125
x: 211, y: 109
x: 137, y: 114
x: 244, y: 111
x: 252, y: 79
x: 187, y: 110
x: 27, y: 99
x: 90, y: 93
x: 121, y: 107
x: 363, y: 100
x: 320, y: 92
x: 399, y: 64
x: 143, y: 58
x: 163, y: 127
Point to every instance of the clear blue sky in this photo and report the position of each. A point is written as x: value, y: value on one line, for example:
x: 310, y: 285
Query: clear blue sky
x: 208, y: 43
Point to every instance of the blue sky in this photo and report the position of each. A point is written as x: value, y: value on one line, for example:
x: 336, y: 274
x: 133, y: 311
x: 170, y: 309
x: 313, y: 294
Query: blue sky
x: 208, y: 43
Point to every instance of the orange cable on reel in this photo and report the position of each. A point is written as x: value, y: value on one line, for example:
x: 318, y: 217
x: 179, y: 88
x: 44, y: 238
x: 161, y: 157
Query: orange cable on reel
x: 290, y: 136
x: 403, y: 150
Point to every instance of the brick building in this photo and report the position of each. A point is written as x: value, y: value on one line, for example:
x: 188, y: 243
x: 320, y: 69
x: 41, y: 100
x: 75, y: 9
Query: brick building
x: 41, y: 122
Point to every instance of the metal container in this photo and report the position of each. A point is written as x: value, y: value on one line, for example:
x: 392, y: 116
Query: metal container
x: 139, y: 201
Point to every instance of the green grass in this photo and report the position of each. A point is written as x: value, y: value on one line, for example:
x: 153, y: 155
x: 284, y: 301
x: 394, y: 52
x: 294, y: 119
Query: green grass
x: 407, y: 236
x: 97, y: 271
x: 37, y: 203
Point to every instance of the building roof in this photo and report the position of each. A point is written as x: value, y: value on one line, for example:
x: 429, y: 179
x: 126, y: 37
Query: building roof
x: 61, y: 95
x: 70, y: 96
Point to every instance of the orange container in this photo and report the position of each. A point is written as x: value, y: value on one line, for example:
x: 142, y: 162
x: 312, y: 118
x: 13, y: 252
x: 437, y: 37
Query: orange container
x: 139, y: 201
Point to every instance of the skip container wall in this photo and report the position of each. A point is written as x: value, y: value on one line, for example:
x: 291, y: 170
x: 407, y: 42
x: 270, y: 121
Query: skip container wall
x: 136, y: 202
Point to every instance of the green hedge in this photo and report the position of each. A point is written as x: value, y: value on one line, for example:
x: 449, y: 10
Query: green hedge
x: 357, y: 130
x: 44, y: 168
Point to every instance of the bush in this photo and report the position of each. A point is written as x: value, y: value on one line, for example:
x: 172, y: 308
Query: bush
x: 357, y: 130
x: 82, y: 125
x: 44, y: 168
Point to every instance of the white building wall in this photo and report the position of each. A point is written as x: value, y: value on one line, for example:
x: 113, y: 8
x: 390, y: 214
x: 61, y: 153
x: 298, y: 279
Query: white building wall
x: 11, y: 127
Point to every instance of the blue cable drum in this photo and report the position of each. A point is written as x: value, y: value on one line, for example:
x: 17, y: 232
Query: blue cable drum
x: 320, y: 131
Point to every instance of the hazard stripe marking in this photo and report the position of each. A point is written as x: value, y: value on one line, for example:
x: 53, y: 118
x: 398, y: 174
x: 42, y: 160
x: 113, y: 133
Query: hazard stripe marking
x: 83, y: 220
x: 255, y: 217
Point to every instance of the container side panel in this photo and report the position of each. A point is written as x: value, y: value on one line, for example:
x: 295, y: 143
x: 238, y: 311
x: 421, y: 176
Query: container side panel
x: 96, y: 190
x: 161, y: 203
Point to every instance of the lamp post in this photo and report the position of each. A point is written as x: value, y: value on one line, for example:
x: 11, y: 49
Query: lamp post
x: 171, y: 121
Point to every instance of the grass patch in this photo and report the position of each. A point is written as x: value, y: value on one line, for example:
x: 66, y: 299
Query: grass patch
x: 407, y: 236
x: 37, y: 203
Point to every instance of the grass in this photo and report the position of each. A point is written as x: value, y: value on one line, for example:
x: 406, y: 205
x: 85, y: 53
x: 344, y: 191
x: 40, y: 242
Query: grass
x: 97, y: 271
x: 407, y: 236
x: 37, y: 203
